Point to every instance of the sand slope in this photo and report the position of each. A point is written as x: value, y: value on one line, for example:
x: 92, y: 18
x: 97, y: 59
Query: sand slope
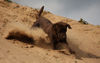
x: 83, y: 39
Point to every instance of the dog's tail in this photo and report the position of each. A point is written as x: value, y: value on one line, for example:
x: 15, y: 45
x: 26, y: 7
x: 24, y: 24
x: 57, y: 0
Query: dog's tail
x: 40, y: 12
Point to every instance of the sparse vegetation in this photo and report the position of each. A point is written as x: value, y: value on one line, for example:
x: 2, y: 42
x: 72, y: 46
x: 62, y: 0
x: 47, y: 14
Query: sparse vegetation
x: 83, y: 21
x: 8, y: 0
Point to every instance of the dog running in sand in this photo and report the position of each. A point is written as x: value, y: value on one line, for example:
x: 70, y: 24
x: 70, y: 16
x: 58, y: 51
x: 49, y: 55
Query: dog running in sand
x: 56, y: 32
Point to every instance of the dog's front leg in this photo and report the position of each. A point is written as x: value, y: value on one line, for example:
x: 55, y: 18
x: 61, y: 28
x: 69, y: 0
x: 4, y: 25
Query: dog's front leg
x: 54, y: 45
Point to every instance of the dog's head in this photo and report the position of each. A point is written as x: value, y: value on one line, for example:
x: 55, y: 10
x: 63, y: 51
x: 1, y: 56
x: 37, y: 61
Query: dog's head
x: 60, y: 30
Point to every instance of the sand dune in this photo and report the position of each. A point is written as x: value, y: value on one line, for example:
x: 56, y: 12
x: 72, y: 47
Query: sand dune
x: 21, y: 44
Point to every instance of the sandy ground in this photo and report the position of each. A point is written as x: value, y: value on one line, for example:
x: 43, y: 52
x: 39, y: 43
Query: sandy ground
x: 14, y: 18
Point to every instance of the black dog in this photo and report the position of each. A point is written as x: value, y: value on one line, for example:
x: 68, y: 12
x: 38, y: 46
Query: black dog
x: 56, y: 32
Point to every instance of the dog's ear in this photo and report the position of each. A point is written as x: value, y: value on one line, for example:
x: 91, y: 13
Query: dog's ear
x: 67, y: 25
